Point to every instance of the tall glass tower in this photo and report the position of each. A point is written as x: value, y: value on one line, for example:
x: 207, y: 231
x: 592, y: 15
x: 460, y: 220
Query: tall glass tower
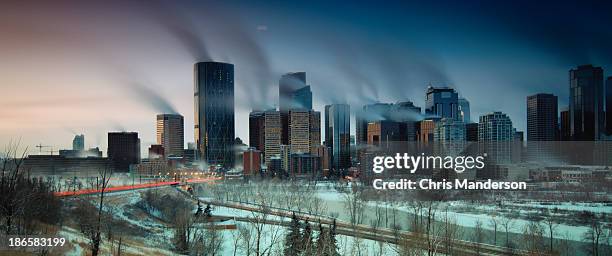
x: 586, y: 102
x: 214, y: 112
x: 337, y: 134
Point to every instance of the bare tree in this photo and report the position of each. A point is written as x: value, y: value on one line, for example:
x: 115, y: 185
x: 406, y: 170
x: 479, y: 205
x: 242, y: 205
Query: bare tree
x: 533, y: 238
x: 478, y: 236
x: 551, y: 224
x: 593, y: 236
x: 493, y: 222
x: 507, y: 223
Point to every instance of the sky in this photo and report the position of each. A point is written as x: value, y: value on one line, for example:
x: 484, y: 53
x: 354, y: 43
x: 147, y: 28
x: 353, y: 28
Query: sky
x: 85, y: 67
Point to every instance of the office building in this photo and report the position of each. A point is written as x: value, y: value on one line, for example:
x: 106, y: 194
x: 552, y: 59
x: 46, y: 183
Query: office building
x: 463, y: 106
x: 294, y: 93
x: 78, y: 143
x: 71, y: 153
x: 214, y: 112
x: 442, y: 102
x: 304, y: 130
x: 170, y: 134
x: 542, y: 119
x: 265, y: 132
x: 123, y: 149
x: 565, y: 133
x: 449, y: 136
x: 495, y: 133
x: 337, y: 134
x: 586, y: 103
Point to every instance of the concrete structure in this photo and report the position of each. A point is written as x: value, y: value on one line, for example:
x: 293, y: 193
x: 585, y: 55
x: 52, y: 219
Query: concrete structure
x: 171, y: 134
x: 304, y: 130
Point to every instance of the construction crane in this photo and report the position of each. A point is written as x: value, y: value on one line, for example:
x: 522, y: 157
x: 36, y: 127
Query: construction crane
x: 40, y: 147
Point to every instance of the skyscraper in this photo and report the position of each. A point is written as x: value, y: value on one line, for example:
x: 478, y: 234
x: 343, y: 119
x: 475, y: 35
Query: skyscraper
x: 495, y: 132
x: 542, y: 121
x: 337, y: 134
x: 272, y: 134
x: 449, y: 136
x: 214, y: 112
x: 304, y: 130
x: 78, y: 143
x: 442, y: 102
x: 586, y: 102
x: 123, y: 149
x: 409, y: 114
x: 564, y: 125
x: 609, y: 105
x: 170, y: 133
x: 294, y: 93
x: 464, y: 110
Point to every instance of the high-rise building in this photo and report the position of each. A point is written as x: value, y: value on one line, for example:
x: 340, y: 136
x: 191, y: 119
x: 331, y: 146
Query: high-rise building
x: 123, y: 149
x: 337, y: 134
x: 586, y: 102
x: 449, y: 135
x: 304, y: 130
x: 495, y: 131
x: 272, y: 133
x: 170, y: 134
x: 78, y: 143
x: 214, y: 112
x: 609, y: 105
x: 542, y: 119
x: 464, y: 110
x: 442, y: 102
x: 294, y: 93
x: 256, y: 130
x: 565, y: 133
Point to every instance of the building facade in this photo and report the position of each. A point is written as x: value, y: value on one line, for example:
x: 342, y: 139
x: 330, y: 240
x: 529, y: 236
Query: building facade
x: 586, y: 103
x: 542, y: 121
x: 123, y: 149
x: 495, y: 133
x: 442, y: 102
x: 337, y: 134
x: 171, y: 134
x: 214, y: 112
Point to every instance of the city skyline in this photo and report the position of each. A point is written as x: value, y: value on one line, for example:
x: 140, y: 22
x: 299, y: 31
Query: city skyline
x: 83, y: 82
